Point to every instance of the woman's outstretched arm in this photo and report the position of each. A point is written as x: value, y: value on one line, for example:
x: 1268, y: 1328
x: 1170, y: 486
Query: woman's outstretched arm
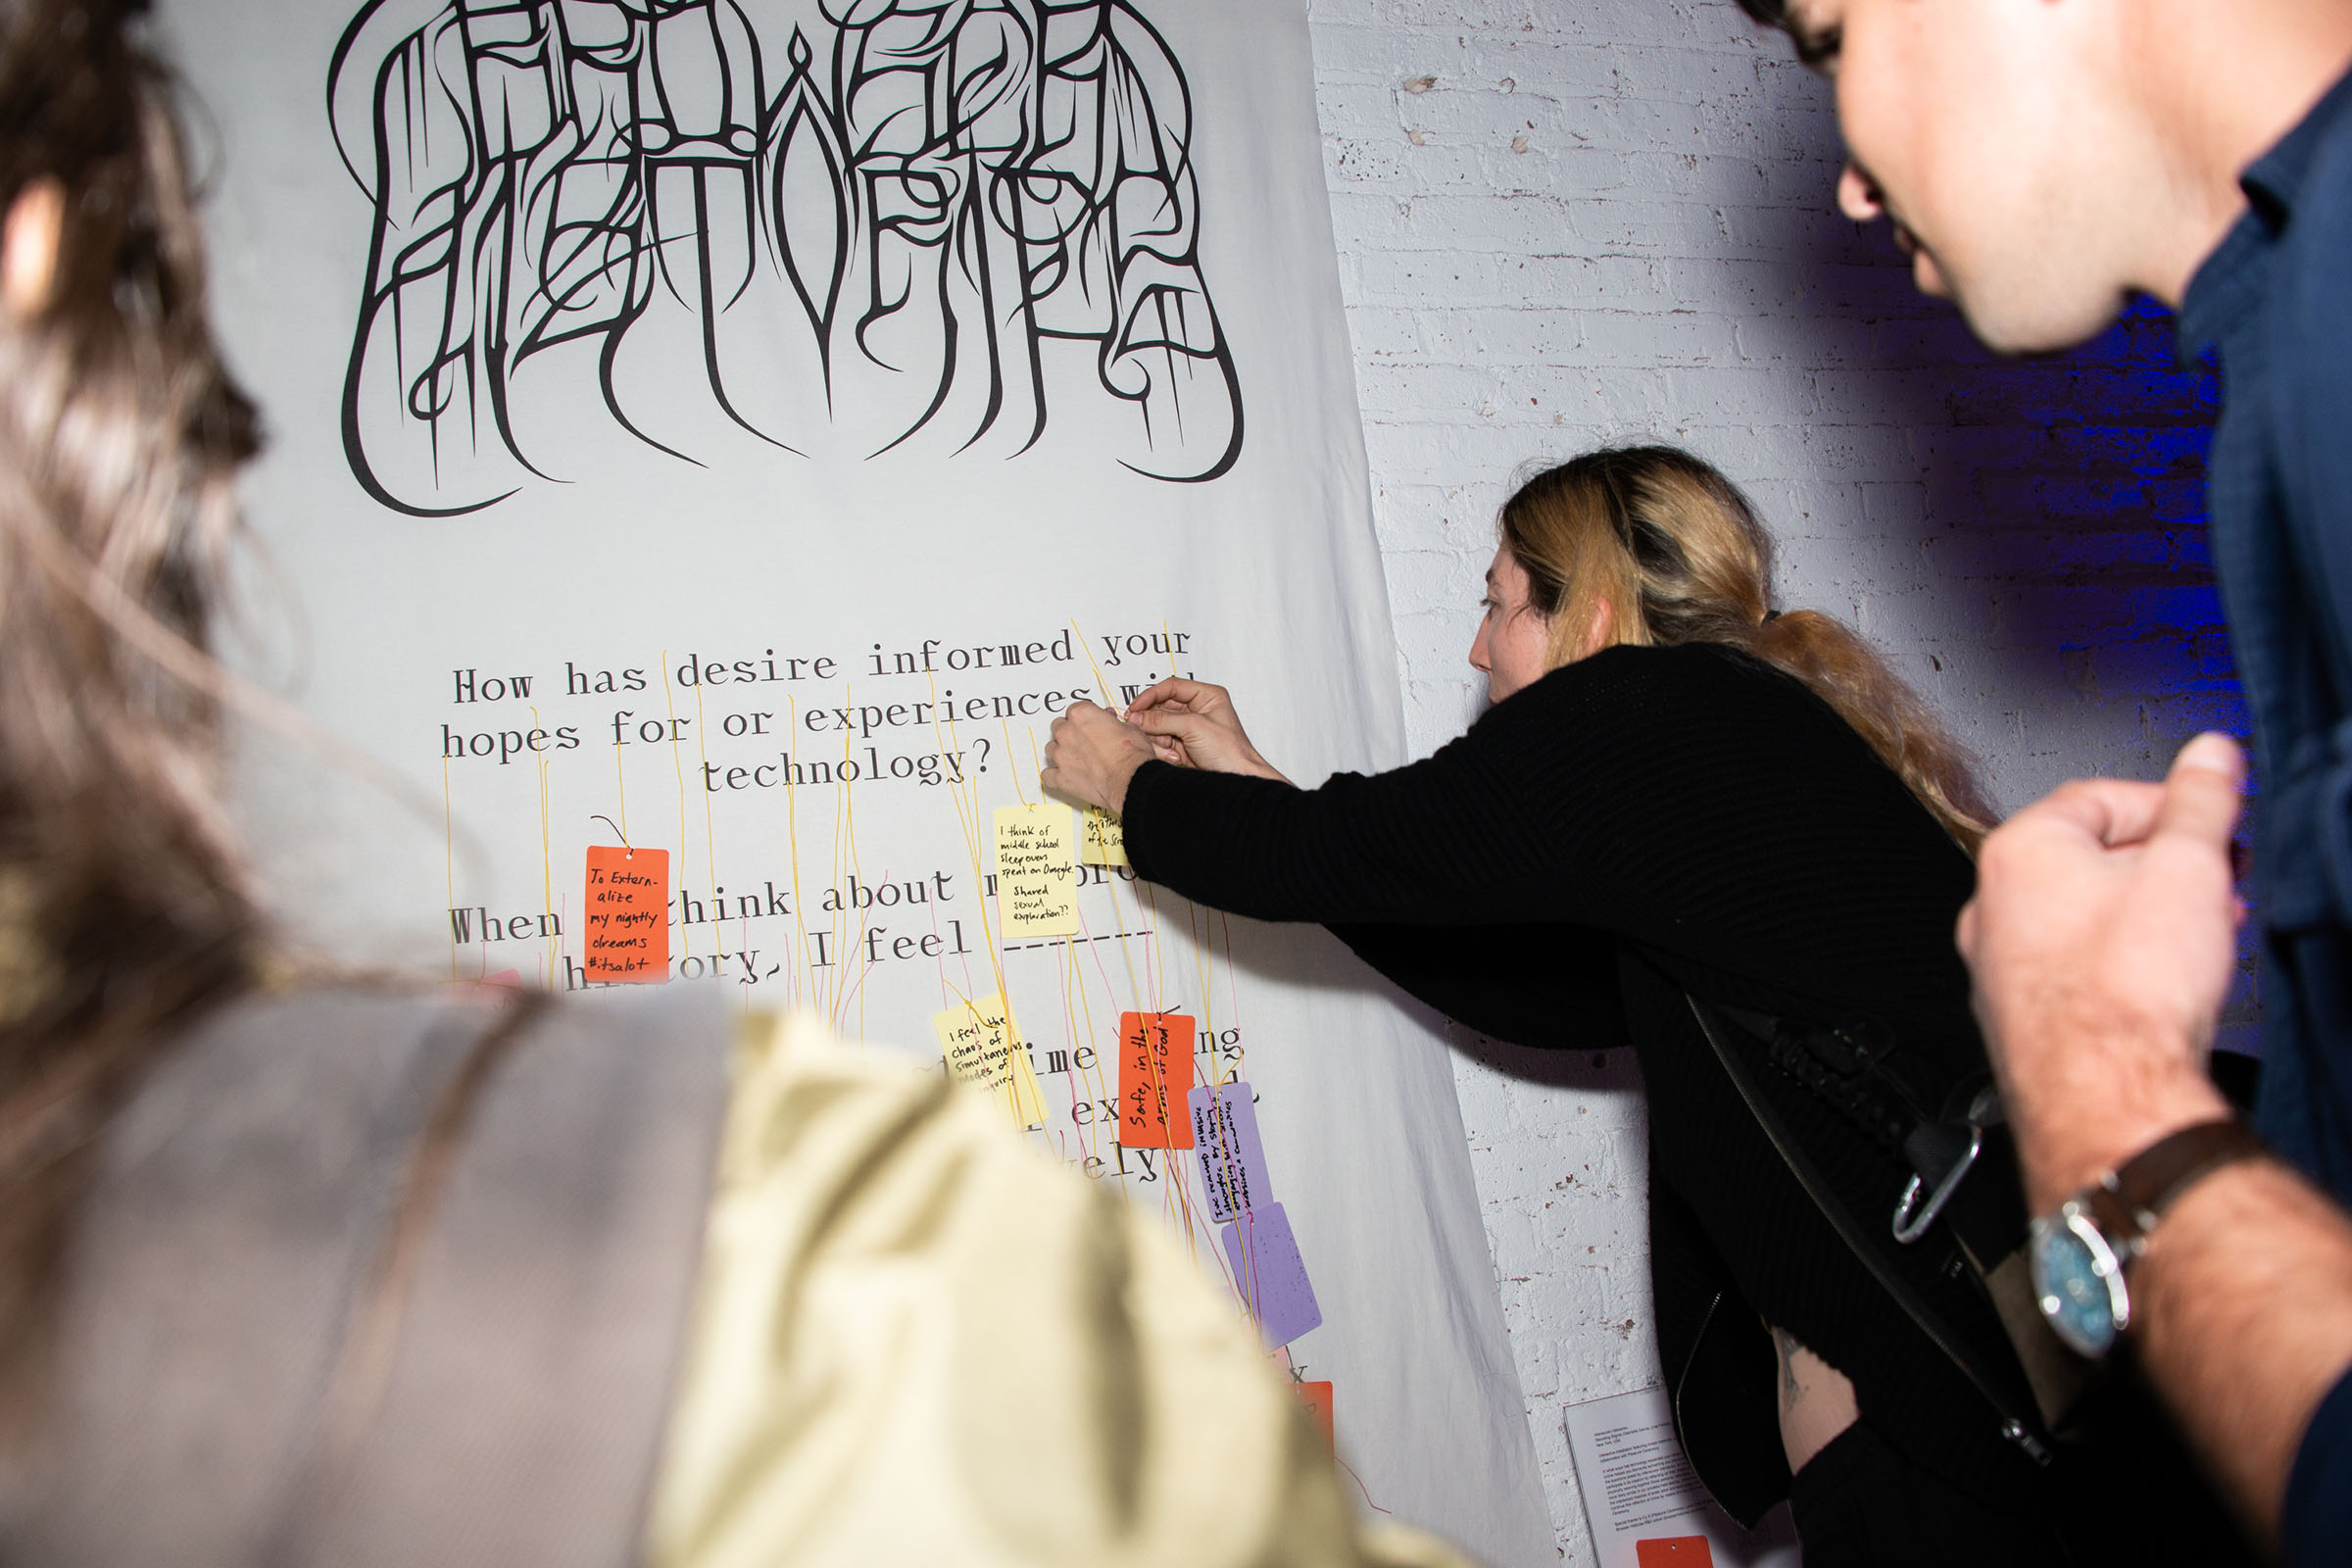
x: 1689, y: 799
x: 1442, y: 842
x: 1533, y: 984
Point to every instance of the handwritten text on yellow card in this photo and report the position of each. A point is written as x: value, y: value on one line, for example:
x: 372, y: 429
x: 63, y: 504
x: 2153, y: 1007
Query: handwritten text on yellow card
x: 983, y: 1050
x: 1037, y: 872
x: 1105, y: 841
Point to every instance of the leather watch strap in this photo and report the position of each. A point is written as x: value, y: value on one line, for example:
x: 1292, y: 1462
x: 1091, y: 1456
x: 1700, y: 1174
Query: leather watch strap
x: 2151, y: 1181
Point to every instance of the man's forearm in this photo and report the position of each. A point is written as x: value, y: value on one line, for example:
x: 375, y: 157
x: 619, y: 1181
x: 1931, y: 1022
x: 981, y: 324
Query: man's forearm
x: 2103, y: 942
x: 2242, y: 1311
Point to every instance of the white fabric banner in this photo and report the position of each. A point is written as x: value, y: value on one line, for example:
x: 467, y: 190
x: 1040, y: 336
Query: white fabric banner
x: 723, y: 433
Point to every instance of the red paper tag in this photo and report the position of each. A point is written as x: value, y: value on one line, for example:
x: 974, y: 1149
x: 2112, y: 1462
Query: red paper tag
x: 1675, y: 1551
x: 628, y: 915
x: 1316, y: 1397
x: 1156, y: 1074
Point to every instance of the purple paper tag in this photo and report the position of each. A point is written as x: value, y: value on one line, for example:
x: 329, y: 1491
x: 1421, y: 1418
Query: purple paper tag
x: 1271, y: 1275
x: 1233, y: 1163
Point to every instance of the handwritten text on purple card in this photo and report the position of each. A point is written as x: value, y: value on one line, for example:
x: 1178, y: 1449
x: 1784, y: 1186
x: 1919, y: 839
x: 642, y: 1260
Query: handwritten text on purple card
x: 1271, y: 1275
x: 1233, y: 1163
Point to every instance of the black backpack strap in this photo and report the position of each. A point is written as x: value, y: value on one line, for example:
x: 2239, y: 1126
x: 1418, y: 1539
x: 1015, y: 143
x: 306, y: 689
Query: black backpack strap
x: 2021, y: 1424
x: 1945, y: 1133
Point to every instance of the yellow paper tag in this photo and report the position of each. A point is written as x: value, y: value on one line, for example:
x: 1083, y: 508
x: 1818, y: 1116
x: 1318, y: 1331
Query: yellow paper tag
x: 985, y: 1051
x: 1037, y: 872
x: 1103, y: 840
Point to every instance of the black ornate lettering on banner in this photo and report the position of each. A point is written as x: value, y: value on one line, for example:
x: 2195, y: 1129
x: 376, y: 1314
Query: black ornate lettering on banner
x: 856, y: 220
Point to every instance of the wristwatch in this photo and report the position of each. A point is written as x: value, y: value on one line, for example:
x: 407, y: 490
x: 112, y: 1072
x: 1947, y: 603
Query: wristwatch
x: 2079, y: 1253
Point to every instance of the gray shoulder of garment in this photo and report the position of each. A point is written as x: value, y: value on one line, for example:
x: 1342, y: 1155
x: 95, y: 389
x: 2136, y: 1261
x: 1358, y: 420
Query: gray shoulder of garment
x: 235, y: 1385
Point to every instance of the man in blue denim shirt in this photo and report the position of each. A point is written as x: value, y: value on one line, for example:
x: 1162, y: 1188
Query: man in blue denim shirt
x: 2043, y: 160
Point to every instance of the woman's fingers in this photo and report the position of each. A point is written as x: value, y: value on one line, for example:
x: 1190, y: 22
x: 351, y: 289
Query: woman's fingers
x: 1199, y: 719
x: 1176, y: 722
x: 1218, y: 727
x: 1090, y: 755
x: 1170, y: 743
x: 1179, y: 692
x: 1203, y: 742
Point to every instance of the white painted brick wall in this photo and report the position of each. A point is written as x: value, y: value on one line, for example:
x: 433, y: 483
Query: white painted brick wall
x: 1561, y: 224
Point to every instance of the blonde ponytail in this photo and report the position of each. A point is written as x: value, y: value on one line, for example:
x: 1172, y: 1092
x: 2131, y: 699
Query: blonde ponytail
x: 1849, y: 676
x: 1678, y: 555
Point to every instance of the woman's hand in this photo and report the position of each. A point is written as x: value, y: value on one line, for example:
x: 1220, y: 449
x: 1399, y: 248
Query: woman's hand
x: 1193, y: 724
x: 1090, y: 757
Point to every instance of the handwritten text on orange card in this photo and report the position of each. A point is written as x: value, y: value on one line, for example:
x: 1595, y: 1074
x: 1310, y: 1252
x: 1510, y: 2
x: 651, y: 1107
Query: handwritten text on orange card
x: 1156, y: 1074
x: 628, y: 915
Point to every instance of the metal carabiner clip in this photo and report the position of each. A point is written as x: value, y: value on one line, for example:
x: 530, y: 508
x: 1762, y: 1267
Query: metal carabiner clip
x: 1910, y: 1226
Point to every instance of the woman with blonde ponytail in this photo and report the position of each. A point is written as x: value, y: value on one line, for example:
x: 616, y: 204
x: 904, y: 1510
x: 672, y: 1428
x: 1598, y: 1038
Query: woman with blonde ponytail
x: 1729, y: 836
x: 1676, y: 553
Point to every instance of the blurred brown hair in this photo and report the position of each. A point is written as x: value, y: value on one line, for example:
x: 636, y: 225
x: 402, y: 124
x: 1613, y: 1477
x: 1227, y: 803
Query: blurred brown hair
x: 1677, y: 553
x: 123, y: 903
x: 1813, y: 48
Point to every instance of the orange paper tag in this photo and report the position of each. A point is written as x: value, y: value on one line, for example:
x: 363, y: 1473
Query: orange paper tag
x: 1675, y: 1551
x: 1156, y: 1074
x: 1316, y: 1397
x: 628, y: 915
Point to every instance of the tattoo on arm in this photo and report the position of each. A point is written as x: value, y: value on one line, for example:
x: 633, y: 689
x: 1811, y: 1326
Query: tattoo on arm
x: 1786, y: 1345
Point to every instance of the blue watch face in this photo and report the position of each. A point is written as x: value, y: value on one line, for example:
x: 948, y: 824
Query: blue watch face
x: 2073, y: 1282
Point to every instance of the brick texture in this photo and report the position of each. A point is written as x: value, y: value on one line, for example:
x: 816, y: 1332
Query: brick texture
x: 1567, y: 224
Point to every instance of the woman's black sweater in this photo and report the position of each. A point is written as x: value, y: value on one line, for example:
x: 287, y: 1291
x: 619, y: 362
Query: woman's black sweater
x: 1635, y: 828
